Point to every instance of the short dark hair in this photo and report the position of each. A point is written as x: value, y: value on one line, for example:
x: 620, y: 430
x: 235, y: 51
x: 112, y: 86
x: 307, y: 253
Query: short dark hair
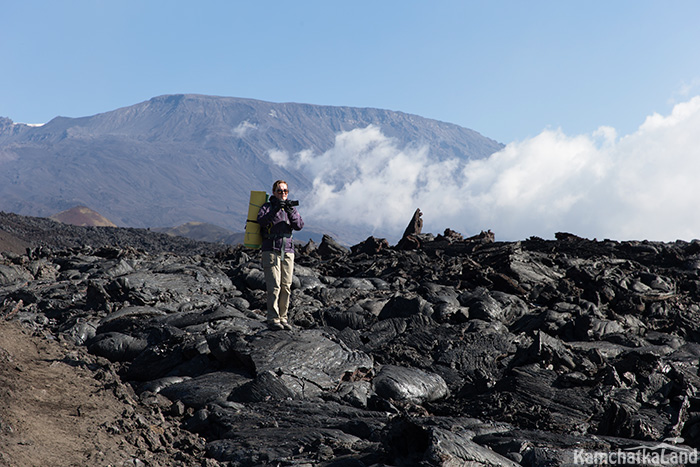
x: 277, y: 184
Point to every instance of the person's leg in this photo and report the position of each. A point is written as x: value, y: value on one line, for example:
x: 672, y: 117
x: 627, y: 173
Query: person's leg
x: 271, y: 266
x: 286, y: 276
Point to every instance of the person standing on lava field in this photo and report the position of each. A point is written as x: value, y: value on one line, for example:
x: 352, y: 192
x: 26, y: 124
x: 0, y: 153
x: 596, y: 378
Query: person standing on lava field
x: 278, y: 218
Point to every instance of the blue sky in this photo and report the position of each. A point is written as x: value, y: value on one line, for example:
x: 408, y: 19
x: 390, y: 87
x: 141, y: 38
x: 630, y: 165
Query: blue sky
x: 598, y: 101
x: 507, y: 69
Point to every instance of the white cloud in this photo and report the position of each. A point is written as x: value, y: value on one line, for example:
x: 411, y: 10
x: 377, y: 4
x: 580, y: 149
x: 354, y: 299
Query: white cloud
x: 243, y: 128
x: 366, y: 179
x: 640, y: 186
x: 280, y: 158
x: 283, y: 159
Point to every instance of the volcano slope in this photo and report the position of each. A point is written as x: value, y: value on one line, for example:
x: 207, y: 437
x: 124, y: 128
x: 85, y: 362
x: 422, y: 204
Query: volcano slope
x: 438, y: 351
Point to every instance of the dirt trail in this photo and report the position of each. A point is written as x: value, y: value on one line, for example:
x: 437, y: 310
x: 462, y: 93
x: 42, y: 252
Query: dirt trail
x: 57, y: 408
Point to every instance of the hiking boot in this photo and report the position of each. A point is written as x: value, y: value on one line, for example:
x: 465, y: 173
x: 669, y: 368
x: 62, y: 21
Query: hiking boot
x: 287, y: 326
x: 275, y: 326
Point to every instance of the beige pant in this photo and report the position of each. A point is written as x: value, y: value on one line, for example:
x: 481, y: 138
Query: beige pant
x: 279, y: 271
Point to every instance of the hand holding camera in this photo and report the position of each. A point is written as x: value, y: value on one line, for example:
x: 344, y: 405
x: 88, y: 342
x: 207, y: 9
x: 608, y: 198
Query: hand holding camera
x: 287, y: 205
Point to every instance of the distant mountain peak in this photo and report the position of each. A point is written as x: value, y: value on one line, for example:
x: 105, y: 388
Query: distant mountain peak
x: 82, y: 216
x: 190, y: 157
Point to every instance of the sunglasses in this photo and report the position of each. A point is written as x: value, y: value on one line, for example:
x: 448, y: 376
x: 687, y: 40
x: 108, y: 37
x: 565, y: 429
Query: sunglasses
x: 282, y: 191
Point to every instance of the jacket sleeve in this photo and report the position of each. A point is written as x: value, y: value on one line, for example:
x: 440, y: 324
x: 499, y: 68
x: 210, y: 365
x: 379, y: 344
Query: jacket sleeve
x: 295, y: 220
x: 266, y: 215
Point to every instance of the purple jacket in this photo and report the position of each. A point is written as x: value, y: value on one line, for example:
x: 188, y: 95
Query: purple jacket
x: 276, y: 226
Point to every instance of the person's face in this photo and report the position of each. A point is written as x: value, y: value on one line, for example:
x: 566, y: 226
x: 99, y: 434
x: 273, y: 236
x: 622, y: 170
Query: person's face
x: 282, y: 191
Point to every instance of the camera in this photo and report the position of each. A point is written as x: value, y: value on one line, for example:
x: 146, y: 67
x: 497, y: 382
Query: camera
x: 286, y: 203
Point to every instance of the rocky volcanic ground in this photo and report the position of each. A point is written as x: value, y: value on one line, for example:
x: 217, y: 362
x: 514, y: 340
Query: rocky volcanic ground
x: 438, y: 351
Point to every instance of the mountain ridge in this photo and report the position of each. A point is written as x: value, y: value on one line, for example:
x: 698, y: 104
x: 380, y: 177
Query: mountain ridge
x: 184, y: 158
